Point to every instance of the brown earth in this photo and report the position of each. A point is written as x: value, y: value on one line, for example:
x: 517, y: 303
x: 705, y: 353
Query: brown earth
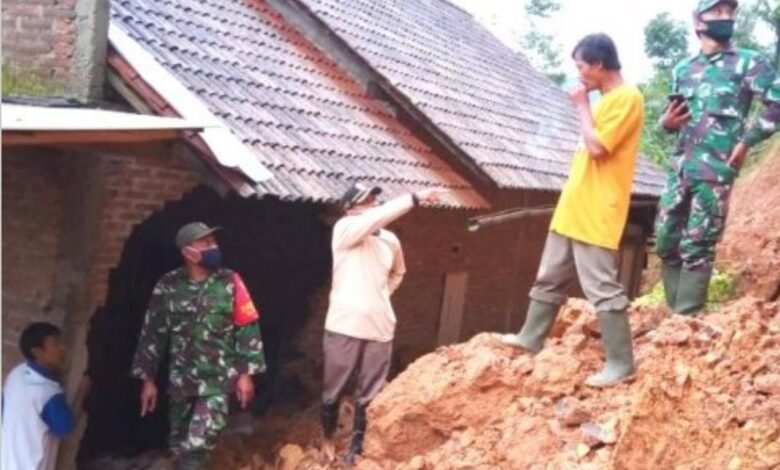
x: 707, y: 395
x: 751, y: 244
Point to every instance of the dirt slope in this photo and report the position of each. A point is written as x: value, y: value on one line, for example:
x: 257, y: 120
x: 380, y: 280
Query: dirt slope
x: 707, y: 395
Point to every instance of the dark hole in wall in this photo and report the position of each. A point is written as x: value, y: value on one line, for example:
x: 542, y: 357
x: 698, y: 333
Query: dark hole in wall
x: 282, y: 251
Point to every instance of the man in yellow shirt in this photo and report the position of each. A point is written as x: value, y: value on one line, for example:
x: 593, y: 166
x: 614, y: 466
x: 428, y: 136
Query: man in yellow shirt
x: 591, y: 213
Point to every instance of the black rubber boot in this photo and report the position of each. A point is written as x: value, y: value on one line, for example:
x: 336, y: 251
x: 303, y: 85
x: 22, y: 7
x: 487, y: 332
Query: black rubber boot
x: 193, y: 460
x: 358, y: 433
x: 329, y: 413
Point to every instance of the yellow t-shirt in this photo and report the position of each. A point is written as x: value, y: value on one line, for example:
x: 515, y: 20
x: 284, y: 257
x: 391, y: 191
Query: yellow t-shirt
x: 594, y: 203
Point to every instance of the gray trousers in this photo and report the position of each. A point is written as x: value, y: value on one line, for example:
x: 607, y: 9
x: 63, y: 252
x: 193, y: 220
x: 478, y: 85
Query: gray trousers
x: 565, y: 259
x: 345, y: 355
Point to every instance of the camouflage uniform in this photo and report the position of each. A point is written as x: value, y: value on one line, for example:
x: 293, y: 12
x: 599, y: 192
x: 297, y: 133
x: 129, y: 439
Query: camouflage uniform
x: 207, y: 352
x: 719, y: 90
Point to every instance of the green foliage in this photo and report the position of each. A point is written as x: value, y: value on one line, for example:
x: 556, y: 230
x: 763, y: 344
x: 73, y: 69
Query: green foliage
x: 749, y: 15
x: 654, y: 298
x: 758, y: 154
x: 656, y: 143
x: 666, y: 41
x: 722, y: 288
x: 666, y: 44
x: 540, y: 47
x: 542, y: 8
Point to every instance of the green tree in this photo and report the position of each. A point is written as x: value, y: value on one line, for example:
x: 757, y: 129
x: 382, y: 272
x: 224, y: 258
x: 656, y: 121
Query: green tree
x: 542, y: 8
x: 750, y: 15
x: 769, y: 12
x: 540, y: 47
x: 666, y: 41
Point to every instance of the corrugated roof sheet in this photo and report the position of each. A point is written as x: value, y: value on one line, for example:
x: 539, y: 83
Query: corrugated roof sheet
x: 511, y: 119
x: 307, y: 121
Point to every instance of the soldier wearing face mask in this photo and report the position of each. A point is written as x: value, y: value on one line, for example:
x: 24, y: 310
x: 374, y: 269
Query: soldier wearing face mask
x: 205, y: 315
x: 712, y: 96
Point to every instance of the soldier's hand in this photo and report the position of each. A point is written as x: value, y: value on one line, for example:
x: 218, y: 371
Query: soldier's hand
x: 148, y: 397
x: 738, y: 156
x: 676, y: 115
x: 245, y: 390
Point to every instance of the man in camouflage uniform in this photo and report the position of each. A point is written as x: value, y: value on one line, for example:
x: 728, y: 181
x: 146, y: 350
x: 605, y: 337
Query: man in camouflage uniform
x: 204, y: 314
x: 718, y: 86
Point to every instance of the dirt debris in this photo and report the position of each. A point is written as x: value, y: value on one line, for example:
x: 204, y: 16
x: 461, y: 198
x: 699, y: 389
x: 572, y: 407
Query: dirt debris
x: 483, y: 405
x: 751, y: 243
x: 706, y: 395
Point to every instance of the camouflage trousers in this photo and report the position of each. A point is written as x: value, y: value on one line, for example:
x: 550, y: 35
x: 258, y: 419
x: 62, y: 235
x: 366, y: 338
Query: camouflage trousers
x: 196, y: 422
x: 690, y: 222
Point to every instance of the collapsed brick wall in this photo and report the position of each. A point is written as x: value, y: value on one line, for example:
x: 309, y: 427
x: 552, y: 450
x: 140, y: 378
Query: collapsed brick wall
x: 135, y: 185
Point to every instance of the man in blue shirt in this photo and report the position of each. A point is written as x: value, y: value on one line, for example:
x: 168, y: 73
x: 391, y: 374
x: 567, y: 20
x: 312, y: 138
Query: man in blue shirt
x: 35, y: 412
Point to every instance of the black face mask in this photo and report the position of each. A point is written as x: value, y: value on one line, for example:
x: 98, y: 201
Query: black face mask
x: 720, y: 30
x: 211, y: 258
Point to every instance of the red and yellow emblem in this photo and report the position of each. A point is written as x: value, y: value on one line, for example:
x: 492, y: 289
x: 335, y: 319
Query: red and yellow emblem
x: 244, y: 311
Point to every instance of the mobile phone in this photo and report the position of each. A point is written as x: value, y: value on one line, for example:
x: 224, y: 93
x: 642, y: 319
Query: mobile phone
x: 677, y: 98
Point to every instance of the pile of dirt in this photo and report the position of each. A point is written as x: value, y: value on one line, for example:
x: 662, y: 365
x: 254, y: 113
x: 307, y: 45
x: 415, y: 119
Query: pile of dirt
x: 751, y: 243
x: 285, y: 439
x: 707, y: 395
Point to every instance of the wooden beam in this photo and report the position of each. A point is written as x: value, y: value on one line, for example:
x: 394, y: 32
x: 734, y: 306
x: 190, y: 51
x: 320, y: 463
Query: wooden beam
x: 14, y: 138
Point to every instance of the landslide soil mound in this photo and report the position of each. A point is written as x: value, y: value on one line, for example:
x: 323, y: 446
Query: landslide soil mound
x: 706, y: 395
x: 751, y: 243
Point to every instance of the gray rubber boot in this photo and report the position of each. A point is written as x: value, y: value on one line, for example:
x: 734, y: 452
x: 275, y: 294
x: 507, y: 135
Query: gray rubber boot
x: 692, y: 292
x: 619, y: 352
x: 671, y: 279
x: 538, y: 323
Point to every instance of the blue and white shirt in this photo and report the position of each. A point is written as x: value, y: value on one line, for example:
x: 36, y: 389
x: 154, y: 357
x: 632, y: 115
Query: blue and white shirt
x: 35, y: 416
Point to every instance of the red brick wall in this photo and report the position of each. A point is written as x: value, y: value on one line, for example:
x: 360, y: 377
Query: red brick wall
x: 135, y: 185
x: 32, y: 224
x: 39, y: 36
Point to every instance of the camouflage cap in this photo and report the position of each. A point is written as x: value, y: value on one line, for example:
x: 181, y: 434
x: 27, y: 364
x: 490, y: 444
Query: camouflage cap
x: 705, y: 5
x: 191, y: 232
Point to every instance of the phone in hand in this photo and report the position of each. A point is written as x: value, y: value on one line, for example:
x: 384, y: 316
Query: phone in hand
x: 678, y: 98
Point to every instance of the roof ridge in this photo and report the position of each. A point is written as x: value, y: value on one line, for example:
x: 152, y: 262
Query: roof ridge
x: 457, y: 7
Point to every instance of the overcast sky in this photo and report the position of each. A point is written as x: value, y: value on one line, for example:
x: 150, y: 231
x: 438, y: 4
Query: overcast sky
x: 623, y: 20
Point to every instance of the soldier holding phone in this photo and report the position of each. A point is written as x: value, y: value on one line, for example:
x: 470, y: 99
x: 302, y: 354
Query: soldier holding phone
x: 713, y: 93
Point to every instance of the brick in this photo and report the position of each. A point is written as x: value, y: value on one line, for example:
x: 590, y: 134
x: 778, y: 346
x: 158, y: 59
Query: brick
x: 22, y: 9
x: 32, y: 219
